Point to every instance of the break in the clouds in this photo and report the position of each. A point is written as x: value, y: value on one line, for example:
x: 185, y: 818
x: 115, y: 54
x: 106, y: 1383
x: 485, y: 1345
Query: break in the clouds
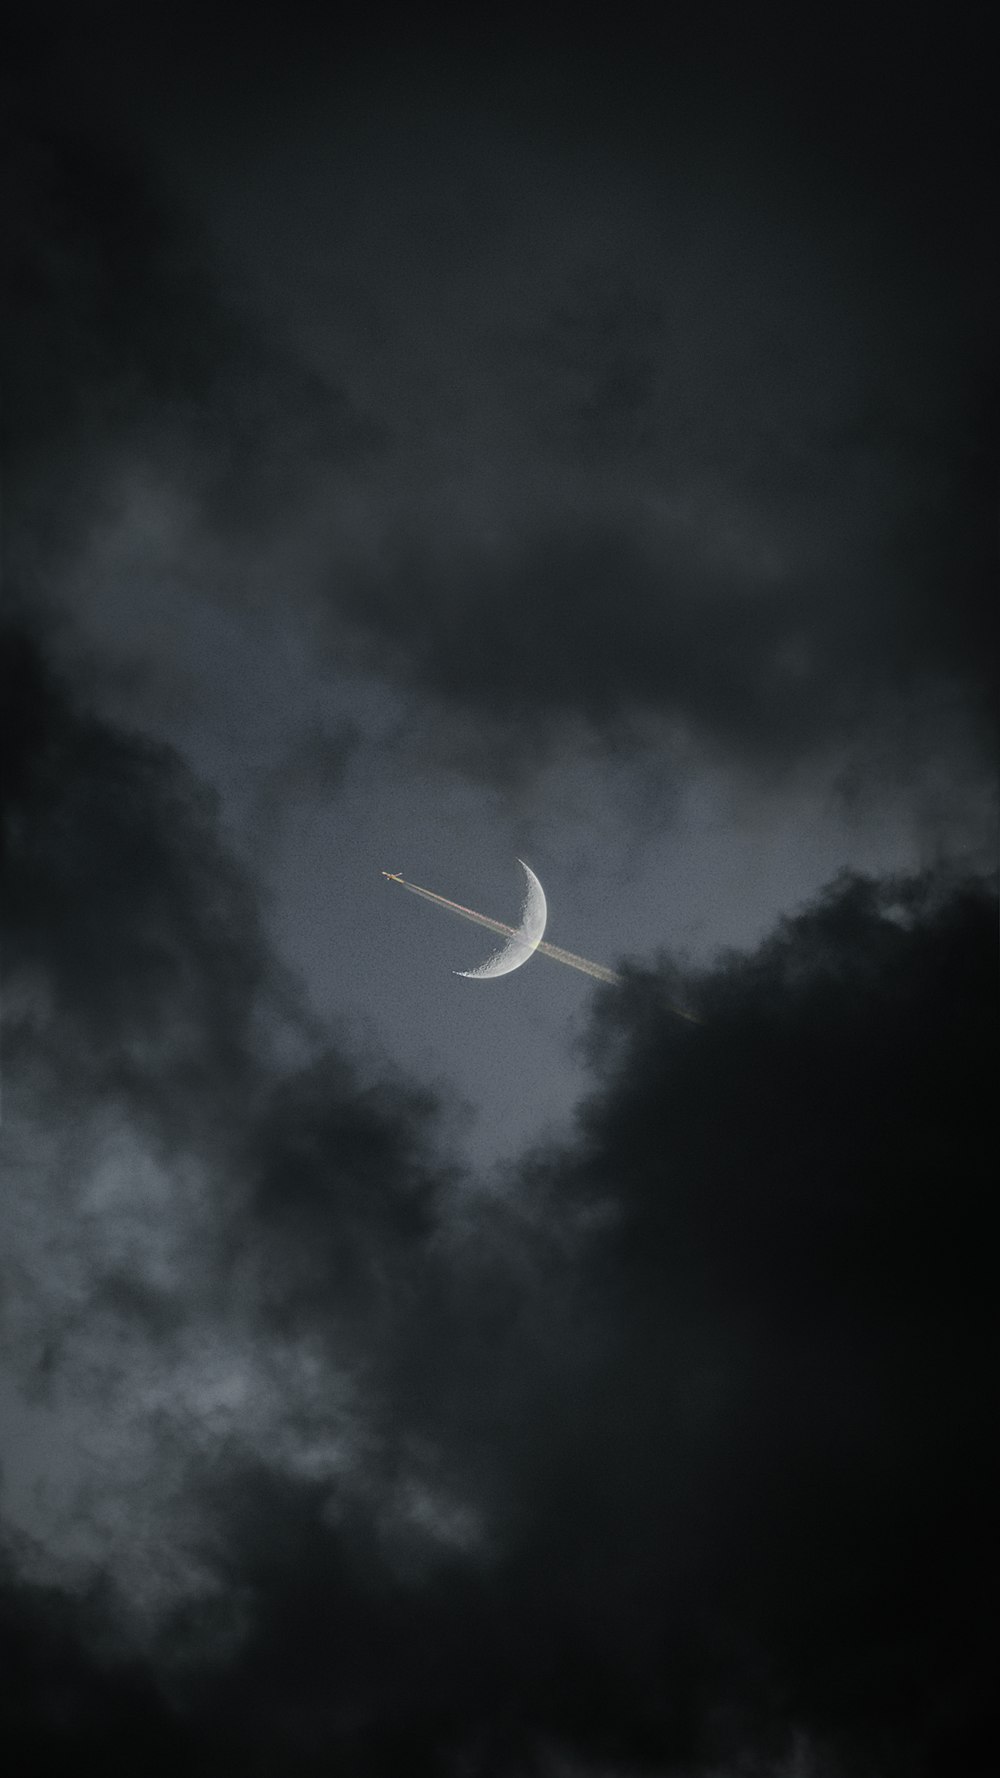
x: 670, y: 1459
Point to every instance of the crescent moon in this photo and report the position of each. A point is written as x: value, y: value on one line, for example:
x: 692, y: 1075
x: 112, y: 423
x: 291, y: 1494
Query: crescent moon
x: 523, y: 941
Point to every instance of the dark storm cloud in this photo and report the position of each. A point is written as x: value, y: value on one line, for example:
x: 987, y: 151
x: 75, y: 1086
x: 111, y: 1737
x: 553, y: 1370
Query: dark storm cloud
x: 752, y: 498
x: 716, y: 354
x: 672, y: 1461
x: 596, y: 623
x: 135, y: 940
x: 675, y: 358
x: 138, y: 971
x: 120, y: 353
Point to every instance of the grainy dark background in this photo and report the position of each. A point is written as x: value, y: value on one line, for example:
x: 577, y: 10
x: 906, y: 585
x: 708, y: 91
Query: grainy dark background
x: 428, y: 444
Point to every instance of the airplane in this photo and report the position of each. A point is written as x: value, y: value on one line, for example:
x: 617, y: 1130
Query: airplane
x: 394, y: 876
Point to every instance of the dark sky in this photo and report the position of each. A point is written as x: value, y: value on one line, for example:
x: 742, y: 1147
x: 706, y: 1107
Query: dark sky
x: 561, y: 438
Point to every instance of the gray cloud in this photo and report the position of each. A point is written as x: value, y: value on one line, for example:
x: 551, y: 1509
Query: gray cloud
x: 554, y: 427
x: 651, y: 1461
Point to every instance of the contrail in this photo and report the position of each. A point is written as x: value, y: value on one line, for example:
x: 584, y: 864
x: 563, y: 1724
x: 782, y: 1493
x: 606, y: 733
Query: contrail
x: 455, y: 907
x: 598, y: 970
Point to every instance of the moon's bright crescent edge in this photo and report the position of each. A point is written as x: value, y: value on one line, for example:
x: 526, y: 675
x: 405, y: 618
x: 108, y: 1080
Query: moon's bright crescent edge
x: 524, y: 941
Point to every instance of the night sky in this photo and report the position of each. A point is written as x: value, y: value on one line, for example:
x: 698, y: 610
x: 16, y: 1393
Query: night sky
x: 545, y: 436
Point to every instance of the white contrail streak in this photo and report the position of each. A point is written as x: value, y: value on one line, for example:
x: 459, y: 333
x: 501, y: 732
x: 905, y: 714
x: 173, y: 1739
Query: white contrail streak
x: 597, y: 970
